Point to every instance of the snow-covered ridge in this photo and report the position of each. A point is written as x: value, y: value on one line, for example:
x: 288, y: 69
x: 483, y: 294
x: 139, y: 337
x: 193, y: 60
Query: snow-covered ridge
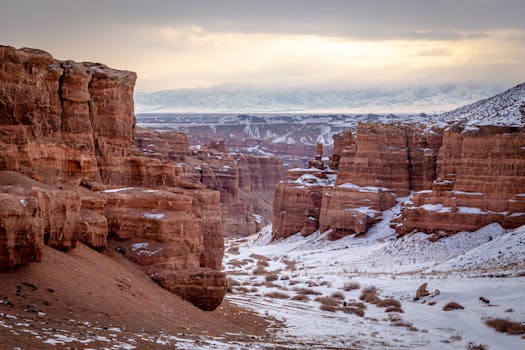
x: 505, y: 109
x: 431, y: 98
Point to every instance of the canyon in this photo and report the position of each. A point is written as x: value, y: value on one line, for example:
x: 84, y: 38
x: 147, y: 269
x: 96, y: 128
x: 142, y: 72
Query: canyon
x: 155, y: 219
x: 456, y: 176
x: 74, y: 170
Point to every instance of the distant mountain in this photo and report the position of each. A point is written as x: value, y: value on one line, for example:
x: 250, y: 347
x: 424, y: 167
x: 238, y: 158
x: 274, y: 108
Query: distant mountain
x: 221, y: 99
x: 506, y: 108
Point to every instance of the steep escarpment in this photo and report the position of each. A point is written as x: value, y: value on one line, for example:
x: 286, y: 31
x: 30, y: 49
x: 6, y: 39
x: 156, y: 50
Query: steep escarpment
x: 466, y: 173
x: 66, y: 150
x: 382, y: 162
x: 480, y: 180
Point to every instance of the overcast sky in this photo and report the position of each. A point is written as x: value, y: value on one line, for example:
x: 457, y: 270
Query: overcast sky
x: 276, y: 43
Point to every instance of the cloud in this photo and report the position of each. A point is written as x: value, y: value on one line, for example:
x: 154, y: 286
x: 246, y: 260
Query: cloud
x: 175, y: 43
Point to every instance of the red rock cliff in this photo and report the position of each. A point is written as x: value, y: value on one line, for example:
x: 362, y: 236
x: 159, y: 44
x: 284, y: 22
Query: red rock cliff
x: 383, y: 162
x: 480, y: 180
x: 67, y: 133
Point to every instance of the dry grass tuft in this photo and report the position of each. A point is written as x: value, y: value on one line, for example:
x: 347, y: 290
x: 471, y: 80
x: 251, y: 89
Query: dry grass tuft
x: 262, y: 263
x: 354, y: 310
x: 328, y: 301
x: 271, y: 277
x: 307, y: 291
x: 338, y: 295
x: 394, y: 309
x: 369, y: 295
x: 277, y: 295
x: 259, y: 270
x: 351, y: 286
x: 234, y: 250
x: 506, y: 326
x: 388, y: 302
x: 452, y: 306
x: 330, y: 308
x: 260, y: 257
x: 353, y: 303
x: 301, y: 297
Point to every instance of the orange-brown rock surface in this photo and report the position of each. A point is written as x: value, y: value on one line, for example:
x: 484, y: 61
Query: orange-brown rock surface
x: 382, y: 162
x: 67, y: 148
x: 480, y: 180
x: 246, y: 182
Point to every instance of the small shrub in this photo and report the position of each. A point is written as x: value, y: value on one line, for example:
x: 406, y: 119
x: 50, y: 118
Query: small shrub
x: 338, y: 295
x: 506, y: 326
x: 354, y: 310
x: 301, y: 297
x: 262, y: 263
x: 307, y: 291
x: 259, y: 270
x: 259, y: 257
x: 236, y: 263
x: 233, y: 250
x: 388, y: 302
x: 452, y: 306
x: 394, y: 309
x: 272, y: 277
x: 330, y: 308
x: 358, y: 304
x: 369, y: 295
x: 232, y: 282
x: 277, y: 295
x: 351, y: 286
x: 270, y: 284
x: 328, y: 301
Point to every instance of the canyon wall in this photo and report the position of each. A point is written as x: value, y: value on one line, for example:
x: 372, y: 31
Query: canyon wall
x: 246, y: 182
x: 480, y: 180
x: 464, y: 179
x: 67, y: 134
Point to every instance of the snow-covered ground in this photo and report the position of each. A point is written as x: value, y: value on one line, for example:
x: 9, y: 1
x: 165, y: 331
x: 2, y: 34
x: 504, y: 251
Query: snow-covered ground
x: 464, y: 267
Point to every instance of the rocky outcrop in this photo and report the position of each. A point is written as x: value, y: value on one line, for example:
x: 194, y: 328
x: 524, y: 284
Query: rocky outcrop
x: 246, y: 183
x: 383, y: 162
x: 481, y: 180
x: 297, y: 202
x: 66, y: 150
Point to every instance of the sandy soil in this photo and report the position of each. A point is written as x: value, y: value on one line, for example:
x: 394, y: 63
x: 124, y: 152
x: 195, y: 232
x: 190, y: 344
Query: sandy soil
x: 87, y: 299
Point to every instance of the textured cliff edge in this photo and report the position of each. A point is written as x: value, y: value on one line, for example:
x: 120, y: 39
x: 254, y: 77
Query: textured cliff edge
x: 246, y: 182
x: 66, y: 150
x: 464, y: 178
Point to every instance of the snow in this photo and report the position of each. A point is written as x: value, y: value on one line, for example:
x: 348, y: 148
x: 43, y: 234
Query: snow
x: 505, y: 109
x: 155, y: 216
x: 363, y: 188
x: 257, y: 218
x: 436, y: 207
x: 462, y: 266
x: 24, y: 202
x: 118, y: 190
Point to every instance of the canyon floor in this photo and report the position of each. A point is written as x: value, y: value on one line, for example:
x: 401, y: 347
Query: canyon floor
x: 91, y: 300
x: 290, y: 280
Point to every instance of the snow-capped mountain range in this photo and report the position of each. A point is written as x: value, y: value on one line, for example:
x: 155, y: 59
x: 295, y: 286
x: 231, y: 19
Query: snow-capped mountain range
x: 506, y: 109
x: 227, y: 99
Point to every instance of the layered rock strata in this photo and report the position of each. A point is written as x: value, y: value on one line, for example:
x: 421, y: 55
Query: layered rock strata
x: 66, y: 150
x: 480, y: 180
x: 246, y: 182
x: 383, y: 162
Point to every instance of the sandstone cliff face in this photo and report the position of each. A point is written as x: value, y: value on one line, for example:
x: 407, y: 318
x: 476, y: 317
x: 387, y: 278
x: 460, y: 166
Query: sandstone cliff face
x: 67, y: 136
x: 383, y: 162
x: 246, y: 183
x: 480, y: 181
